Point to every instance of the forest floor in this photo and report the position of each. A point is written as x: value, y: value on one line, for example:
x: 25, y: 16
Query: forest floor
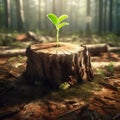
x: 99, y: 99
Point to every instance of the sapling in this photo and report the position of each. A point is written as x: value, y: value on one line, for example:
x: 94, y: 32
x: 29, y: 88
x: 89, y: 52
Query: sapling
x: 58, y: 22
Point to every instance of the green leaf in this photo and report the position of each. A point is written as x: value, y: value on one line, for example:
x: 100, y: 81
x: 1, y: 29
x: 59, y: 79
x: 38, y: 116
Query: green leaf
x: 62, y: 24
x: 53, y: 18
x: 62, y: 17
x: 64, y: 86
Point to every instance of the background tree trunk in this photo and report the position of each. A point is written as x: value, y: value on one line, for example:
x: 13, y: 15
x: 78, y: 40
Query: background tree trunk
x: 88, y: 15
x: 55, y: 65
x: 20, y: 14
x: 110, y: 16
x: 100, y: 23
x: 39, y: 8
x: 61, y: 7
x: 54, y: 9
x: 118, y: 17
x: 7, y: 13
x: 105, y: 14
x: 96, y: 14
x: 46, y: 23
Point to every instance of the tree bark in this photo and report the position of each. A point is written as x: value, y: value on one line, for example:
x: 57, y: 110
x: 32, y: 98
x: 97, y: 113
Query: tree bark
x: 39, y: 8
x: 96, y: 49
x: 118, y: 18
x: 20, y: 14
x: 7, y: 14
x: 111, y: 16
x: 54, y: 7
x: 100, y: 19
x: 96, y: 14
x: 11, y: 53
x: 55, y: 65
x: 105, y: 15
x: 114, y: 49
x: 88, y: 15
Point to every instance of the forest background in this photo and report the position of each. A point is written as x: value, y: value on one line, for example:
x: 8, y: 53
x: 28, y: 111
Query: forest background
x: 85, y: 16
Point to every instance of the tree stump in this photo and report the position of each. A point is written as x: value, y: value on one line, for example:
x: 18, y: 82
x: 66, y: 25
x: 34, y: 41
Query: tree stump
x: 55, y: 65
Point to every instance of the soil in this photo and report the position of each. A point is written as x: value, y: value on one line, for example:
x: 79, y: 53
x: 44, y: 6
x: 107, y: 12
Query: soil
x: 20, y: 101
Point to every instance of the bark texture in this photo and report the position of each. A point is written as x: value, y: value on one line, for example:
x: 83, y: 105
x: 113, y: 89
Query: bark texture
x: 55, y: 65
x: 96, y: 49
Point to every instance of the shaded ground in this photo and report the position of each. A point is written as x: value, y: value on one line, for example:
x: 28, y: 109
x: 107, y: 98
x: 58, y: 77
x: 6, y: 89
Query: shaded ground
x: 19, y: 101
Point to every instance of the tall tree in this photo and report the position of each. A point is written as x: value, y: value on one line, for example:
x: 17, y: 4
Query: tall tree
x: 26, y: 13
x: 7, y: 13
x: 39, y: 11
x: 88, y: 18
x: 0, y: 14
x: 96, y: 14
x: 54, y: 8
x: 100, y: 17
x: 105, y: 14
x: 61, y: 7
x: 110, y: 16
x: 20, y: 14
x: 118, y: 17
x: 46, y: 25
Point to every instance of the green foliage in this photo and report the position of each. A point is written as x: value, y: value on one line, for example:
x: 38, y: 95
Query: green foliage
x: 64, y: 86
x: 58, y: 23
x: 38, y: 32
x: 6, y: 39
x: 110, y: 68
x: 100, y: 73
x: 112, y: 39
x: 18, y: 58
x: 82, y: 91
x: 53, y: 18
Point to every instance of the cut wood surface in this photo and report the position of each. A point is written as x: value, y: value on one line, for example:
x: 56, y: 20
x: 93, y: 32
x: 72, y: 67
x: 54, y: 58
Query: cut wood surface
x: 55, y: 65
x: 94, y: 49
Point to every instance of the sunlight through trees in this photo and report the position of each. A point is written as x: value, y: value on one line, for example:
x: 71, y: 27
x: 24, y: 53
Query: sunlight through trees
x: 95, y: 16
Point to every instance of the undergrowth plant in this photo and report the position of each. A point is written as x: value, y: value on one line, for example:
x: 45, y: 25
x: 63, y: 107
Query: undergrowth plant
x: 110, y: 68
x: 58, y: 22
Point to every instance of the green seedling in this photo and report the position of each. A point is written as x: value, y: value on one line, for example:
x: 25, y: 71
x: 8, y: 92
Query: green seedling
x: 58, y: 22
x: 64, y: 86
